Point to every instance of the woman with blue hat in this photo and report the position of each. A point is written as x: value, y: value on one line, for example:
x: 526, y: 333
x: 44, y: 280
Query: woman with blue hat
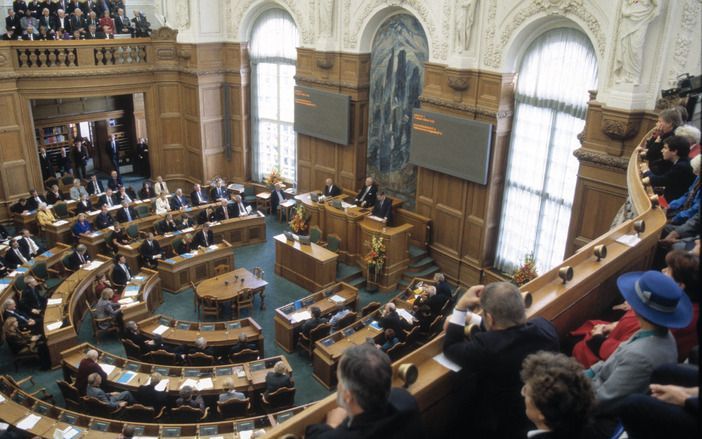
x: 660, y: 305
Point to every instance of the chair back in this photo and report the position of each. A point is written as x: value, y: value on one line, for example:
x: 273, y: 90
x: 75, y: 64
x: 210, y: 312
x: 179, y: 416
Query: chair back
x: 19, y: 283
x: 244, y: 300
x: 70, y: 393
x: 315, y: 234
x: 131, y: 349
x: 142, y: 211
x: 347, y: 320
x: 233, y: 408
x: 371, y: 307
x: 244, y: 356
x: 139, y: 413
x: 61, y: 210
x: 221, y: 269
x: 396, y: 351
x: 177, y: 245
x: 199, y: 359
x: 258, y: 272
x: 160, y: 356
x: 333, y: 242
x: 133, y: 231
x: 435, y: 326
x: 67, y: 180
x: 319, y: 332
x: 186, y: 413
x: 412, y: 335
x: 40, y: 271
x: 65, y: 261
x: 96, y: 407
x: 280, y: 399
x: 209, y: 307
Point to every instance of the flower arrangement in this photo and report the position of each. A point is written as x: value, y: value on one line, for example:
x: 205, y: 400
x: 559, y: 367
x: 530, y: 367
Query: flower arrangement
x: 299, y: 223
x: 375, y: 259
x: 273, y: 178
x: 526, y: 272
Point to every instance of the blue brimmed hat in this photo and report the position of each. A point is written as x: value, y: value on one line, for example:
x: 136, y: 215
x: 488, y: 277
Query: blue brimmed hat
x: 657, y: 298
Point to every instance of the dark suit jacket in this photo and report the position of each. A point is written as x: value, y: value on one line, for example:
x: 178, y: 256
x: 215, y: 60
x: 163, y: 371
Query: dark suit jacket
x: 332, y: 191
x: 383, y: 210
x: 312, y: 323
x: 121, y: 23
x: 370, y: 197
x: 122, y: 215
x: 676, y: 180
x: 204, y: 217
x: 275, y: 381
x: 85, y: 368
x: 183, y: 247
x: 148, y: 251
x: 30, y: 299
x: 396, y: 323
x: 22, y: 319
x: 13, y: 261
x: 219, y: 213
x: 74, y: 261
x: 65, y: 24
x: 46, y: 168
x: 82, y: 208
x: 216, y: 193
x: 24, y: 247
x: 12, y: 22
x: 26, y: 37
x: 198, y: 239
x: 193, y: 198
x: 114, y: 184
x: 32, y: 204
x: 119, y: 276
x: 150, y: 397
x: 436, y: 302
x: 95, y: 188
x: 77, y: 23
x: 146, y: 194
x: 177, y: 203
x: 166, y: 227
x: 103, y: 221
x: 138, y: 339
x: 103, y: 200
x: 399, y: 419
x: 52, y: 198
x: 235, y: 208
x: 491, y: 363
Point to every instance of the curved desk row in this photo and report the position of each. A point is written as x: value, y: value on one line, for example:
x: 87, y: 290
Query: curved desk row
x: 51, y: 257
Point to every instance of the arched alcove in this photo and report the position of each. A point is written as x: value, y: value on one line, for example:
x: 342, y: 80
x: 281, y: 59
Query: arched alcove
x: 255, y: 10
x: 371, y: 25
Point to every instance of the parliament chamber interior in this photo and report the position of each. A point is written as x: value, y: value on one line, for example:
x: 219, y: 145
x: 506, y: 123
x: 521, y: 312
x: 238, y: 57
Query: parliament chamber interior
x: 350, y: 219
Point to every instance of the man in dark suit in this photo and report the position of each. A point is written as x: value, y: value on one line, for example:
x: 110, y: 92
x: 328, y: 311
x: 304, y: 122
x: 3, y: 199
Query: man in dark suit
x: 84, y: 205
x: 12, y: 20
x: 197, y: 197
x: 31, y: 302
x: 45, y: 163
x: 78, y: 22
x: 330, y: 189
x: 14, y: 256
x: 94, y: 34
x: 185, y: 245
x: 126, y: 213
x: 390, y: 319
x: 150, y: 250
x: 10, y: 34
x: 149, y: 396
x: 80, y: 159
x: 26, y: 323
x: 313, y: 321
x: 30, y: 34
x: 367, y: 195
x: 103, y: 220
x: 242, y: 344
x: 368, y: 406
x: 492, y: 358
x: 224, y: 211
x: 115, y: 181
x: 62, y: 23
x: 121, y: 274
x: 435, y: 301
x: 107, y: 198
x: 112, y: 148
x: 94, y: 186
x: 218, y: 191
x: 678, y: 177
x: 78, y: 258
x: 35, y: 199
x: 206, y: 216
x: 28, y: 245
x: 178, y: 200
x: 204, y: 237
x: 132, y: 333
x: 238, y: 206
x: 122, y: 23
x: 54, y: 195
x: 383, y: 209
x: 277, y: 197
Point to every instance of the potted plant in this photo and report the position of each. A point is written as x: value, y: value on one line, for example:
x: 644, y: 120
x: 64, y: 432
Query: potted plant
x: 299, y: 222
x: 375, y: 260
x: 526, y: 272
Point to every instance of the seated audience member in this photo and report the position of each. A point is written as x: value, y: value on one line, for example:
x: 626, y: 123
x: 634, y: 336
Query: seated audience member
x: 34, y: 199
x: 218, y: 192
x: 313, y: 321
x: 94, y: 34
x: 46, y: 34
x: 146, y: 191
x: 78, y: 258
x: 160, y: 186
x: 659, y: 304
x: 82, y: 227
x: 131, y: 332
x: 121, y: 274
x: 113, y: 399
x: 389, y: 318
x: 148, y: 395
x: 94, y: 186
x: 224, y: 211
x: 685, y: 236
x: 442, y: 286
x: 21, y: 342
x: 103, y: 220
x: 10, y: 34
x: 122, y: 195
x: 108, y: 198
x: 188, y: 398
x: 45, y: 216
x: 368, y: 407
x: 559, y: 399
x: 383, y: 209
x: 150, y: 251
x: 336, y: 318
x: 207, y: 216
x: 162, y: 204
x: 20, y: 207
x: 178, y: 201
x: 115, y: 181
x: 127, y: 213
x: 678, y: 177
x: 202, y: 348
x: 434, y: 301
x: 185, y: 246
x: 84, y: 205
x: 65, y: 162
x: 692, y: 134
x: 230, y: 392
x: 671, y: 410
x: 389, y: 340
x: 106, y: 23
x: 367, y: 195
x: 168, y: 225
x: 197, y: 197
x: 9, y: 309
x: 683, y: 268
x: 204, y: 237
x: 122, y: 23
x: 330, y: 189
x: 54, y: 195
x: 87, y: 366
x: 14, y: 256
x: 241, y: 344
x: 101, y: 283
x: 77, y: 190
x: 277, y: 197
x: 278, y: 378
x: 684, y: 207
x: 668, y: 121
x: 239, y: 206
x: 30, y: 34
x: 31, y: 302
x: 492, y: 358
x: 107, y: 308
x: 185, y: 222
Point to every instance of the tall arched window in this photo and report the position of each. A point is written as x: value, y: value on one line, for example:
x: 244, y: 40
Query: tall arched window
x: 272, y: 51
x: 557, y: 70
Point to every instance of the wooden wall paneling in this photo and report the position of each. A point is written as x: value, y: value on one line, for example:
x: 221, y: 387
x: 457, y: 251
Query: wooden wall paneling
x: 238, y: 79
x: 139, y: 116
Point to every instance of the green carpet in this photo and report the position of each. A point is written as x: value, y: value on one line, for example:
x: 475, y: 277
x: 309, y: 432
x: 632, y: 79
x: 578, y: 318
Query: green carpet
x: 278, y: 293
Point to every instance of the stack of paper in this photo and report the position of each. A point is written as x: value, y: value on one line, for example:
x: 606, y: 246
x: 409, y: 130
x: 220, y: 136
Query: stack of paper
x: 92, y: 265
x: 59, y: 223
x: 54, y: 301
x: 162, y: 385
x: 345, y: 205
x: 188, y: 230
x: 2, y: 399
x: 131, y: 291
x: 405, y: 315
x: 300, y: 316
x: 54, y: 326
x: 337, y: 299
x: 108, y: 368
x: 205, y: 384
x: 126, y: 301
x: 189, y: 382
x: 448, y: 364
x: 629, y: 240
x: 29, y: 422
x: 68, y: 433
x: 139, y: 278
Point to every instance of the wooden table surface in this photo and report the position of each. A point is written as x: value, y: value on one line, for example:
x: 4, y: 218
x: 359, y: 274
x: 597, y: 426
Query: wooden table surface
x: 227, y: 286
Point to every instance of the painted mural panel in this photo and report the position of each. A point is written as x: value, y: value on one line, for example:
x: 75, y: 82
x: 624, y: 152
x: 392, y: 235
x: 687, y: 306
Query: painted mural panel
x: 398, y: 55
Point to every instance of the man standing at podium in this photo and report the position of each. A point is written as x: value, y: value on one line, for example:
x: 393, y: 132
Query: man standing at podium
x: 383, y: 209
x: 330, y: 189
x: 367, y: 195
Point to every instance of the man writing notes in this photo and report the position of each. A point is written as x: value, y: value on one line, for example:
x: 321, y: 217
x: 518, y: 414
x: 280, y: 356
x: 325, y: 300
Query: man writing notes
x: 367, y: 195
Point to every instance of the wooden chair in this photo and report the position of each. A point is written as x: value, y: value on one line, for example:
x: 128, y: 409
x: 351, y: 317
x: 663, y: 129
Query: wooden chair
x: 61, y: 210
x: 24, y: 356
x: 71, y: 396
x: 33, y: 388
x: 133, y: 231
x: 141, y: 413
x: 279, y: 400
x: 249, y: 194
x: 65, y: 263
x: 315, y: 235
x: 347, y: 320
x: 396, y: 351
x: 333, y: 242
x: 67, y: 180
x: 160, y: 356
x: 412, y: 335
x: 435, y: 327
x: 245, y: 355
x: 234, y: 408
x: 317, y: 333
x: 199, y: 359
x: 42, y: 273
x: 371, y: 307
x: 96, y: 407
x: 186, y: 414
x: 97, y: 329
x: 244, y: 300
x: 221, y: 269
x: 131, y: 349
x: 142, y: 211
x: 209, y: 306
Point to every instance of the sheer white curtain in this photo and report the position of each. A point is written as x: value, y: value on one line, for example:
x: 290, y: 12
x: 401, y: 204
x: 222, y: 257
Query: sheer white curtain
x: 273, y: 53
x: 557, y: 70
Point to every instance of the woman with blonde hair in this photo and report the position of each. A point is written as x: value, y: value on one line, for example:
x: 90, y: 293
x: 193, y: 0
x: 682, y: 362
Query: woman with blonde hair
x: 22, y: 342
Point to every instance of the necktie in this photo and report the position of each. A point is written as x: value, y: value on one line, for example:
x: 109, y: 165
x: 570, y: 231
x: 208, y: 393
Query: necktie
x: 204, y: 236
x: 129, y: 216
x: 82, y: 259
x: 242, y: 209
x: 109, y: 201
x: 198, y: 196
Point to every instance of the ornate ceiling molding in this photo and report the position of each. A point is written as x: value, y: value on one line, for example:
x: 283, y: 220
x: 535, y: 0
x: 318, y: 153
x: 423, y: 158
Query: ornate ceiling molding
x: 600, y: 160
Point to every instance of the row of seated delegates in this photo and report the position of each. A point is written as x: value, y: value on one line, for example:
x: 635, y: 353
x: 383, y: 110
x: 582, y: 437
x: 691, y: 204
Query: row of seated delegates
x: 22, y: 250
x: 676, y: 178
x: 600, y: 338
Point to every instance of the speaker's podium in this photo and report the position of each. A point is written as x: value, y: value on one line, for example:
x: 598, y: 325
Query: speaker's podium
x: 396, y: 240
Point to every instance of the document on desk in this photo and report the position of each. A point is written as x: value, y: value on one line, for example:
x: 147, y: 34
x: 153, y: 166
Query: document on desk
x: 337, y: 299
x: 205, y: 384
x: 160, y: 329
x: 405, y: 315
x: 345, y: 205
x: 162, y: 385
x: 189, y: 382
x: 629, y: 240
x: 108, y: 368
x: 54, y: 326
x: 131, y: 291
x: 28, y: 422
x: 92, y: 265
x: 54, y: 301
x: 375, y: 218
x: 59, y: 223
x: 126, y: 377
x: 448, y: 364
x: 300, y: 316
x: 68, y: 433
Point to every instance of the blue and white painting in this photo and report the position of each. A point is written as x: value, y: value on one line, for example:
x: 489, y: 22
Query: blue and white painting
x: 398, y: 55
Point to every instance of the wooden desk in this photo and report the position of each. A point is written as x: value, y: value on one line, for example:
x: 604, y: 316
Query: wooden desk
x: 217, y: 333
x: 310, y: 266
x: 396, y: 240
x: 226, y: 287
x: 178, y: 272
x: 287, y: 318
x: 52, y: 257
x: 70, y: 306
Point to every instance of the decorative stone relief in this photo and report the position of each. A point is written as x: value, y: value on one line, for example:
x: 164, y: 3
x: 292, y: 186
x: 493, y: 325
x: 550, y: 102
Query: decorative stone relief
x: 464, y: 15
x: 491, y: 57
x: 181, y: 18
x: 326, y: 18
x: 692, y: 9
x: 620, y: 129
x: 600, y: 160
x: 636, y: 15
x: 164, y: 34
x: 305, y: 27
